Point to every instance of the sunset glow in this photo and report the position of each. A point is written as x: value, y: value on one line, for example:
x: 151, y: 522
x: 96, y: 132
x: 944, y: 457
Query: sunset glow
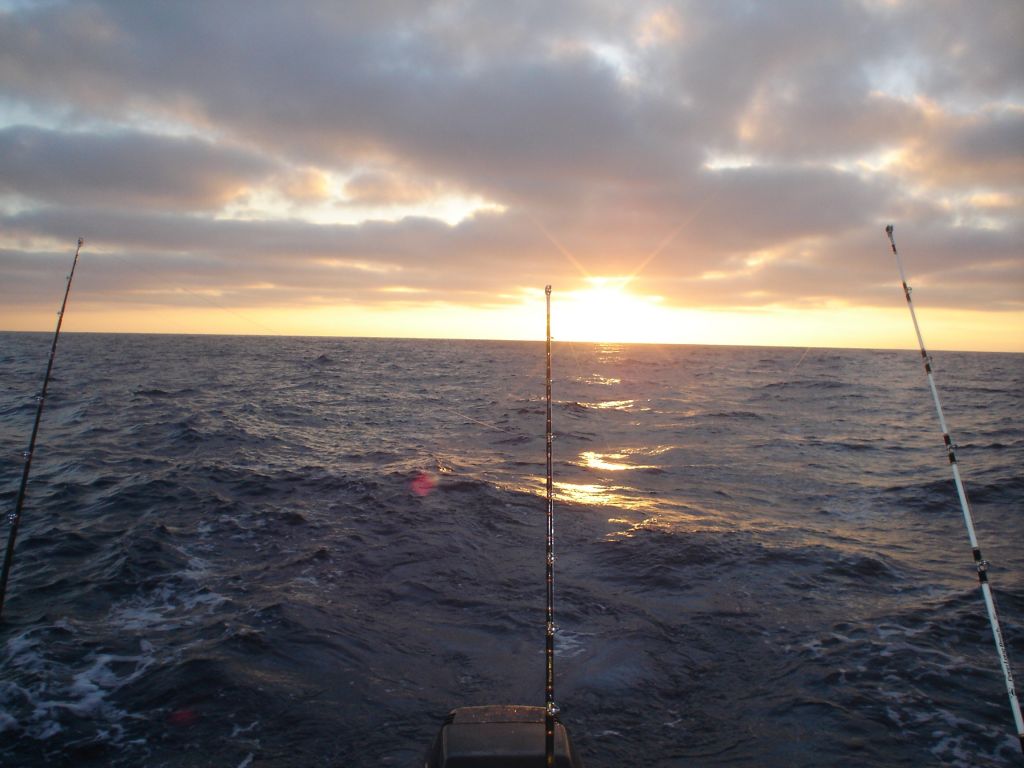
x: 608, y: 311
x: 418, y: 173
x: 838, y: 327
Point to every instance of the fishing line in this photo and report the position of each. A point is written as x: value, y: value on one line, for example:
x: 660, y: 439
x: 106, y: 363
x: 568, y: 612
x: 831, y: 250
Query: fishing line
x: 799, y: 361
x: 981, y: 563
x: 15, y: 517
x: 495, y: 427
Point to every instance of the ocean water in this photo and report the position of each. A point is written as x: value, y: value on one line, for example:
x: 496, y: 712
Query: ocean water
x: 249, y: 552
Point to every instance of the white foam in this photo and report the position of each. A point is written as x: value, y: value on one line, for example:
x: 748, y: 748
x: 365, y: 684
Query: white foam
x: 19, y: 651
x: 569, y: 644
x: 45, y: 695
x: 238, y: 729
x: 7, y: 723
x: 163, y: 609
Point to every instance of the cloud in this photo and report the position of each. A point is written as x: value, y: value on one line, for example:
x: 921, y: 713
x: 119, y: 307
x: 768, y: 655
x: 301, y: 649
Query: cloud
x: 123, y: 168
x: 980, y: 150
x: 726, y: 154
x: 385, y: 188
x: 306, y: 185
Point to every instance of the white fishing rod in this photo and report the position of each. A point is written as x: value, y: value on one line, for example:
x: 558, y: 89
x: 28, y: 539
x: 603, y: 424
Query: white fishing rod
x: 550, y: 710
x: 980, y: 563
x: 15, y: 517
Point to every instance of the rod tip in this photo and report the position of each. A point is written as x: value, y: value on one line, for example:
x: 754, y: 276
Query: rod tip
x: 81, y: 242
x: 547, y: 290
x: 888, y: 229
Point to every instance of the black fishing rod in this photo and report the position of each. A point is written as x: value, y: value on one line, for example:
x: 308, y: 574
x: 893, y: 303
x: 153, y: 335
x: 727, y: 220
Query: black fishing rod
x: 980, y: 563
x: 15, y: 517
x: 550, y: 710
x: 510, y: 734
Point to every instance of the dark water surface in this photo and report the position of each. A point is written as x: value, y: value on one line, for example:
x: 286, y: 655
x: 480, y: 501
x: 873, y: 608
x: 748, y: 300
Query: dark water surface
x: 280, y: 552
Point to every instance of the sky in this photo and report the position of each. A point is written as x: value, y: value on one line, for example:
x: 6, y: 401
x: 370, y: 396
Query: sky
x: 683, y: 172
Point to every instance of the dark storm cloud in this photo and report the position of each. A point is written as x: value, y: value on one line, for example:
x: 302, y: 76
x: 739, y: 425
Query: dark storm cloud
x: 718, y: 135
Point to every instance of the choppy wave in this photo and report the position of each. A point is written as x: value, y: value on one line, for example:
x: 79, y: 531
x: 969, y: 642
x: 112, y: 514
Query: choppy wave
x: 291, y: 552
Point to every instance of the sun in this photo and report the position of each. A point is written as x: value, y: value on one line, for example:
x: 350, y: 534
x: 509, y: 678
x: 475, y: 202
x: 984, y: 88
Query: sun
x: 607, y: 311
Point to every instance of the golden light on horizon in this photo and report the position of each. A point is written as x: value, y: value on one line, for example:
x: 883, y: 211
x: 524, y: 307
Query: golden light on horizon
x: 603, y: 311
x: 607, y: 311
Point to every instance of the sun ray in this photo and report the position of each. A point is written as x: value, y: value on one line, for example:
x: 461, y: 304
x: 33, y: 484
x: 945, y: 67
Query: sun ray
x: 561, y: 248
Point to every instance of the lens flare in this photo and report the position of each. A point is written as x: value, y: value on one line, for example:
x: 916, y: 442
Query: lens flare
x: 423, y: 484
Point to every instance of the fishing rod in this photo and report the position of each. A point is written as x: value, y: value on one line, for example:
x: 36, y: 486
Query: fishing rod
x: 550, y: 710
x: 510, y: 734
x: 15, y: 517
x: 980, y: 563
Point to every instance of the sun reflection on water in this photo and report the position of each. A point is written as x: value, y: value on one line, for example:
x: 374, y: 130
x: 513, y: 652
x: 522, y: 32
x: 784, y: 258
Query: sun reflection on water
x: 611, y: 462
x: 609, y: 352
x: 598, y: 379
x: 630, y: 511
x: 594, y: 494
x: 616, y: 404
x: 621, y: 498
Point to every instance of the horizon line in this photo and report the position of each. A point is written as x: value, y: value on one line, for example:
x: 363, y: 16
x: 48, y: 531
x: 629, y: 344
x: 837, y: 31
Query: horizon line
x: 515, y: 340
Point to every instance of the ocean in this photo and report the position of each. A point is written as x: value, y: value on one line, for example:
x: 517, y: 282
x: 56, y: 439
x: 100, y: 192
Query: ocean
x: 283, y: 552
